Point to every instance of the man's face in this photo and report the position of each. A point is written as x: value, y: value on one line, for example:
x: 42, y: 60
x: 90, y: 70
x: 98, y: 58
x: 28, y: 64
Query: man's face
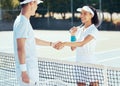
x: 33, y: 7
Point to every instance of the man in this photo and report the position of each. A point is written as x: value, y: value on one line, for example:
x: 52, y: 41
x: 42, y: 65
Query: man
x: 24, y: 45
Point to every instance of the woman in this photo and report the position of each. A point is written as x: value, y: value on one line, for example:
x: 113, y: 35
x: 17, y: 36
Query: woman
x: 84, y: 38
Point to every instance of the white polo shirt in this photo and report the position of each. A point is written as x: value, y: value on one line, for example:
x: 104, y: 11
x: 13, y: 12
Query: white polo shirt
x: 85, y: 54
x: 23, y: 29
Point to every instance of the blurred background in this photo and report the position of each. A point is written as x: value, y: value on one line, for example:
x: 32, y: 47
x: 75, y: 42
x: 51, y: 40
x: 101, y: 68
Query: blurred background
x: 61, y: 14
x: 52, y: 22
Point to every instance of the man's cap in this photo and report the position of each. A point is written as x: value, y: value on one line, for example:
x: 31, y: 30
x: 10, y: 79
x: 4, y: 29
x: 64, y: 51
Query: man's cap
x: 86, y: 8
x: 27, y: 1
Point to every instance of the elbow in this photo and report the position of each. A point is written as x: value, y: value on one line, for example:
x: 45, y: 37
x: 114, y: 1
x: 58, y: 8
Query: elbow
x: 81, y: 44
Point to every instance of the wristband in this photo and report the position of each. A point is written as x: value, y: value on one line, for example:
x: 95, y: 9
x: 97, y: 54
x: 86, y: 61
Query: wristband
x: 73, y: 38
x: 50, y: 43
x: 23, y: 67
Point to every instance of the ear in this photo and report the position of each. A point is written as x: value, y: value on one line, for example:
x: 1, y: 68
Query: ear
x: 91, y: 15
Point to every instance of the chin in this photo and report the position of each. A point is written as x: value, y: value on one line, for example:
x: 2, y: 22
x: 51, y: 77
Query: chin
x: 33, y: 14
x: 83, y: 22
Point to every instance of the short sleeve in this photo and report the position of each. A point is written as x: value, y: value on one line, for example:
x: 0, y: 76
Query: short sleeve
x: 22, y: 30
x: 94, y: 32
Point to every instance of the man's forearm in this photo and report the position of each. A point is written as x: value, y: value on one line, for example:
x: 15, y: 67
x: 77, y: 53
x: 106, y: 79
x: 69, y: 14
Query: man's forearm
x: 42, y: 42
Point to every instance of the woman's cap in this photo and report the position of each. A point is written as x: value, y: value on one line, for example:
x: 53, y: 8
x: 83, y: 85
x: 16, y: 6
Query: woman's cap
x: 86, y: 8
x: 27, y: 1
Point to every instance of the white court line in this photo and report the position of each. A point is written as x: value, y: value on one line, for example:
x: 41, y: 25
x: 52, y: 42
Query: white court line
x: 113, y: 50
x: 109, y: 55
x: 101, y: 56
x: 102, y: 39
x: 109, y: 59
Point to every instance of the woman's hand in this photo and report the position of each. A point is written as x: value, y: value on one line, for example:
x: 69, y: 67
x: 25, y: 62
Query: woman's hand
x: 58, y: 45
x: 73, y: 48
x: 73, y: 30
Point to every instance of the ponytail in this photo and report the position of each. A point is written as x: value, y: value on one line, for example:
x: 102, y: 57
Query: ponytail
x: 95, y: 19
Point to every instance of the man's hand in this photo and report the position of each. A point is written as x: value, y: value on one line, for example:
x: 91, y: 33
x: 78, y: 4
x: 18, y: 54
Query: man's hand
x: 25, y: 77
x: 58, y: 45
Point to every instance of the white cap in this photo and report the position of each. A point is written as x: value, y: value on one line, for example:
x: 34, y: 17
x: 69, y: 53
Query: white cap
x: 27, y: 1
x: 86, y: 8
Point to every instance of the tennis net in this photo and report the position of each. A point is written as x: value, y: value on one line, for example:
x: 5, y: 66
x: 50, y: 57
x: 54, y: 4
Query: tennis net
x: 61, y: 73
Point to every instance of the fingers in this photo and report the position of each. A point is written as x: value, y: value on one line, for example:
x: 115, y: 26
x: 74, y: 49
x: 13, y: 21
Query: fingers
x: 58, y: 45
x: 73, y: 30
x: 73, y: 48
x: 25, y: 77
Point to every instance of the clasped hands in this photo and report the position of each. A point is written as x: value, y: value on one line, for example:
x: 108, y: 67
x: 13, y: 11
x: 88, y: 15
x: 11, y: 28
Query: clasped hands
x: 58, y: 45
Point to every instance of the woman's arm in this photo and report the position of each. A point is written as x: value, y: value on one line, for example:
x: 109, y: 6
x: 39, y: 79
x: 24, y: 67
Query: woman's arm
x: 78, y: 44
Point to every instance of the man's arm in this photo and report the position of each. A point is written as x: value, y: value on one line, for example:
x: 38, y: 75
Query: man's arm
x: 42, y: 42
x: 21, y: 50
x: 21, y: 57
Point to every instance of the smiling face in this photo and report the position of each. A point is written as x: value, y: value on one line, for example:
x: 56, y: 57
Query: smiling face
x: 85, y: 16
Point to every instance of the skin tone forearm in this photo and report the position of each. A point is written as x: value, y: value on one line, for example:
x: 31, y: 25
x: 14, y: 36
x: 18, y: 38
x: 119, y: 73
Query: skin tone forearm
x: 60, y: 45
x: 42, y: 42
x: 21, y: 57
x: 79, y: 44
x: 21, y: 50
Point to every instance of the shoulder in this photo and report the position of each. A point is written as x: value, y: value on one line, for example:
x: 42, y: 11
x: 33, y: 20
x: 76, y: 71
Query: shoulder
x: 20, y: 23
x: 92, y: 29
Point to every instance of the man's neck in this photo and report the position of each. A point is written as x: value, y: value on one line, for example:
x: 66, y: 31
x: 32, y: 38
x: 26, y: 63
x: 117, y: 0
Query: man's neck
x: 25, y: 12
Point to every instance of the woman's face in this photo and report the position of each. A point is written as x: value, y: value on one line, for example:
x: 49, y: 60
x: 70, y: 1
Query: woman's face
x: 85, y: 16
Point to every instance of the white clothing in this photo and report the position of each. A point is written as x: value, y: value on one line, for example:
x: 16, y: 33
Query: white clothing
x: 23, y: 29
x: 85, y: 53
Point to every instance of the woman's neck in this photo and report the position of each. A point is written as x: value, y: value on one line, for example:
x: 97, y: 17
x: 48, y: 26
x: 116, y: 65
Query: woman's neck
x: 87, y: 24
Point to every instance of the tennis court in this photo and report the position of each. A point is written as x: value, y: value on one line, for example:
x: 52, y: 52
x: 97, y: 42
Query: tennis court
x: 61, y: 73
x: 58, y: 68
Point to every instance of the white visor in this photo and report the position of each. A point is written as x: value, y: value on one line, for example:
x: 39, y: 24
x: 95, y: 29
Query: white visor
x: 27, y: 1
x: 86, y: 8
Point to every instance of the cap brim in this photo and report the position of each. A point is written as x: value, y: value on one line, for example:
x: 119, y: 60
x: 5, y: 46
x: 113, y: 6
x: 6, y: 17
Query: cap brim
x: 39, y: 1
x: 79, y: 9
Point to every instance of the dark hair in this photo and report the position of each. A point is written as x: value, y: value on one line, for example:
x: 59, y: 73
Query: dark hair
x: 21, y: 0
x: 95, y: 19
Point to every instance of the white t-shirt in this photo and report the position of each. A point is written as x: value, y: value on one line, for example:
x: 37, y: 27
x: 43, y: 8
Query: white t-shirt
x: 85, y: 54
x: 23, y: 29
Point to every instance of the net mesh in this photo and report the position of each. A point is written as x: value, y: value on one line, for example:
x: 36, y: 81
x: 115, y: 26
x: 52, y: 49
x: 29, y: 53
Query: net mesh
x: 113, y: 76
x: 71, y: 73
x: 61, y: 73
x: 7, y: 70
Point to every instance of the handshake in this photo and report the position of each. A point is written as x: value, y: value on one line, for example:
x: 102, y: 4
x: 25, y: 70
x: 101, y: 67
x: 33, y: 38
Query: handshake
x: 58, y: 45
